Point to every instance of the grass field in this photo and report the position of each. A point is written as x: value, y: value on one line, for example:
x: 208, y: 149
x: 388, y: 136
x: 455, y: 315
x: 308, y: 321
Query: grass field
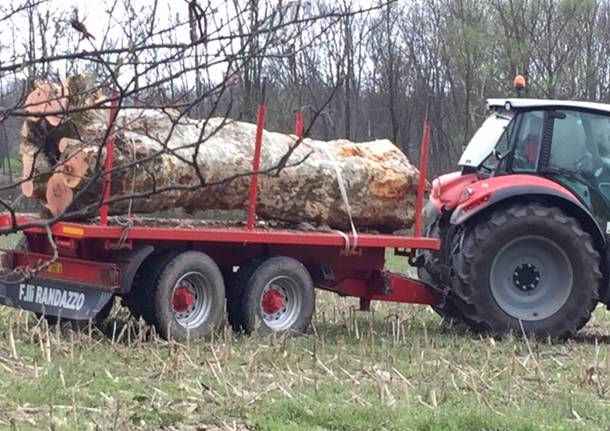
x: 396, y: 369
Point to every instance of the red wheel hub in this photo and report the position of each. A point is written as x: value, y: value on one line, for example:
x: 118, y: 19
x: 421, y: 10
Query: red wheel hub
x: 182, y: 299
x: 272, y: 301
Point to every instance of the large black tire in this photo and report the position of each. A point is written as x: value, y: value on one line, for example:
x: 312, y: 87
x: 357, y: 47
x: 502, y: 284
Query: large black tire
x: 201, y: 307
x: 526, y: 268
x: 431, y: 273
x: 286, y: 281
x: 234, y: 290
x: 140, y: 299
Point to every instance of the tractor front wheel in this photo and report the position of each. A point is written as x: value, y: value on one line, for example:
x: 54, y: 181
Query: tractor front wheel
x: 527, y: 269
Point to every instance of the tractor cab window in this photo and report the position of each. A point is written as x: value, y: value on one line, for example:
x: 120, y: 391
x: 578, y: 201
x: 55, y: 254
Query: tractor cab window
x: 581, y: 144
x: 488, y: 142
x: 528, y: 141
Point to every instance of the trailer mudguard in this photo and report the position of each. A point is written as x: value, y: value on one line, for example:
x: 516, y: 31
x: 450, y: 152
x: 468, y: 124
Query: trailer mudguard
x: 486, y: 193
x: 130, y: 262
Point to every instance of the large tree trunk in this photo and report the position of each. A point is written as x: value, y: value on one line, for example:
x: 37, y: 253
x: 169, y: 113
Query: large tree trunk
x: 199, y: 165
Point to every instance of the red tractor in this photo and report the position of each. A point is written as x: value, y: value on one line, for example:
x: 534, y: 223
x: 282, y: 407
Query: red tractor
x: 524, y: 223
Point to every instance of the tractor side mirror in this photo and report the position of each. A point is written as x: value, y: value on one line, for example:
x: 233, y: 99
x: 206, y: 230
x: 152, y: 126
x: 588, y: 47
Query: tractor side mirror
x: 499, y: 155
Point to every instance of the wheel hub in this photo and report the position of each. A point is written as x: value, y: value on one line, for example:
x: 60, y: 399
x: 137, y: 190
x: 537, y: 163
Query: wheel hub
x: 526, y: 277
x: 183, y: 298
x: 272, y: 302
x: 531, y: 277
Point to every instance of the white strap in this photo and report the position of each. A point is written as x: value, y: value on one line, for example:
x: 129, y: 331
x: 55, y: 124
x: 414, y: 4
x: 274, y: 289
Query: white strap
x: 348, y: 208
x: 345, y: 240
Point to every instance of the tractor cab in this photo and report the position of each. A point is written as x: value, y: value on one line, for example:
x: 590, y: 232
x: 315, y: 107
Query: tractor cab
x: 567, y: 142
x: 524, y: 222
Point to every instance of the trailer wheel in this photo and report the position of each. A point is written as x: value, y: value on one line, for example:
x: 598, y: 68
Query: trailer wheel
x: 235, y: 289
x: 528, y: 268
x: 188, y: 297
x: 280, y: 295
x: 140, y: 299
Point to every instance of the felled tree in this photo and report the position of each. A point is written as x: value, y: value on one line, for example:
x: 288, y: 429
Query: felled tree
x: 166, y: 160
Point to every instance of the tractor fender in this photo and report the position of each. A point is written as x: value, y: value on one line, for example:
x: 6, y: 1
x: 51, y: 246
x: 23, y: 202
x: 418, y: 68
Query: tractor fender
x: 488, y: 193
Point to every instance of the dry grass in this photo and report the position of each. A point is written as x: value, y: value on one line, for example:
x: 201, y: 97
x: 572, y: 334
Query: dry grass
x: 396, y: 368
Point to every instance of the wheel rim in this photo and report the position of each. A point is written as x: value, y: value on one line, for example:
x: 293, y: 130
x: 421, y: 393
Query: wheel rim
x: 191, y: 300
x: 531, y: 278
x: 281, y: 303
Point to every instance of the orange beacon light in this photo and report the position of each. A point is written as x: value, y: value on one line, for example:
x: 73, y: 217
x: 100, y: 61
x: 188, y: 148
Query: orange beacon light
x: 519, y: 83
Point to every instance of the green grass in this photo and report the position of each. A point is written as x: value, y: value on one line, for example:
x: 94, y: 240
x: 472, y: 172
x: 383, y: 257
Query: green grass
x: 396, y: 368
x: 15, y: 164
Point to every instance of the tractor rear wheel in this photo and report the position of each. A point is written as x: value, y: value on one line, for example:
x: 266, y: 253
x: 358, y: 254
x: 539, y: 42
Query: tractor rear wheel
x: 430, y: 273
x: 527, y: 269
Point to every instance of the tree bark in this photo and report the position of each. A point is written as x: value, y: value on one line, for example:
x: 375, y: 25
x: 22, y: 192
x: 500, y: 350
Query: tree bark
x: 166, y: 161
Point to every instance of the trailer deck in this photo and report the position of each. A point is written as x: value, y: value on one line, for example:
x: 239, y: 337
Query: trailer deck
x: 200, y: 232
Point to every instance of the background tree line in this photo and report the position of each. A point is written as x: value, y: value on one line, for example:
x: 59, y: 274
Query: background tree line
x: 445, y: 57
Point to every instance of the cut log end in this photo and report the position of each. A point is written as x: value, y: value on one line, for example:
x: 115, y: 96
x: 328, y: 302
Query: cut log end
x: 74, y: 169
x: 58, y: 195
x: 63, y: 144
x: 27, y: 188
x: 48, y: 98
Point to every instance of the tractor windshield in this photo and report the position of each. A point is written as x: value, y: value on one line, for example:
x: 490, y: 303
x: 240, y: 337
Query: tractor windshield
x: 489, y: 135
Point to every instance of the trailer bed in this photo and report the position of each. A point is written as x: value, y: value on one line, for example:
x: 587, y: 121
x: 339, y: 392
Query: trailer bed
x: 193, y: 230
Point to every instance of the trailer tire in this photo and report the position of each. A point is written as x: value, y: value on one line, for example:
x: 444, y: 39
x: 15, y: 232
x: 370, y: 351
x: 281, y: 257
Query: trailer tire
x: 278, y: 295
x: 235, y: 289
x: 189, y: 297
x: 140, y: 298
x: 527, y: 268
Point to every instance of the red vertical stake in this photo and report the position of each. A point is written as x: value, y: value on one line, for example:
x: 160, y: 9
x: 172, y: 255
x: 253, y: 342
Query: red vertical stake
x: 256, y: 160
x: 109, y: 153
x: 298, y: 128
x: 423, y: 173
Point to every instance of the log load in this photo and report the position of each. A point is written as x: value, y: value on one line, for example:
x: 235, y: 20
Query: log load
x: 206, y: 164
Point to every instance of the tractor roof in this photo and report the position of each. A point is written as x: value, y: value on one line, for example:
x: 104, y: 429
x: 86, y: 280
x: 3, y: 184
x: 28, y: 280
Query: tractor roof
x: 548, y: 103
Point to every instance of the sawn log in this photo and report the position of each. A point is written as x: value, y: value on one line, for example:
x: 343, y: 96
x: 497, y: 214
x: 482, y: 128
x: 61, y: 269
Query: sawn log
x: 164, y: 160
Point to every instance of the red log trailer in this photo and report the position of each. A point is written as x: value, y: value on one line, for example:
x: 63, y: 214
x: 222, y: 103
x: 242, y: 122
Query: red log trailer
x: 179, y: 278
